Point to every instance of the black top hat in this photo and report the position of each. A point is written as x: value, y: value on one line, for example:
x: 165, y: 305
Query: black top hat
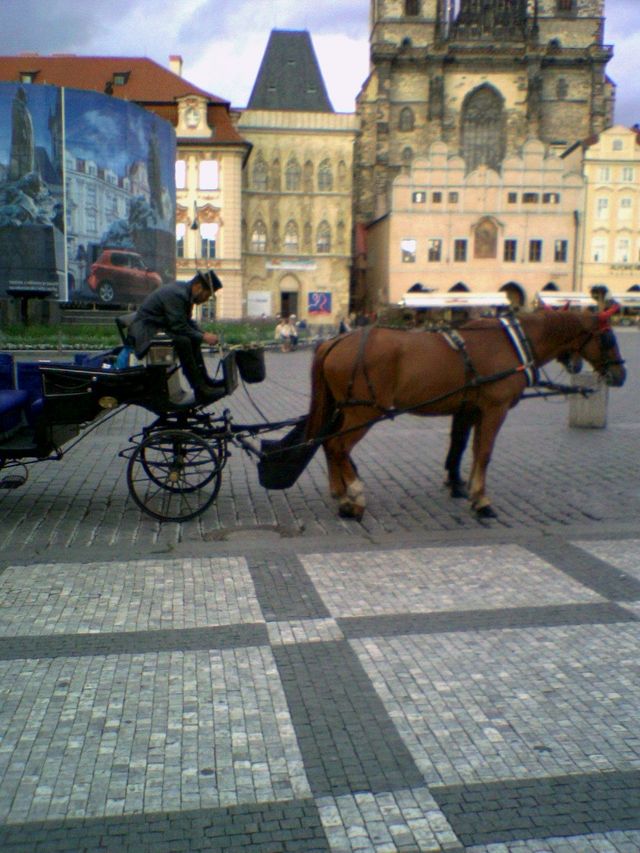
x: 208, y: 279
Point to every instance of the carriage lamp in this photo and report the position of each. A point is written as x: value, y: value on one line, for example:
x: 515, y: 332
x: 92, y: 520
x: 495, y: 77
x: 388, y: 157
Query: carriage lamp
x: 108, y: 402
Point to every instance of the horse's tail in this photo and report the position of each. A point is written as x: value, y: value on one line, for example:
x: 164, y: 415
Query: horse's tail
x: 322, y: 411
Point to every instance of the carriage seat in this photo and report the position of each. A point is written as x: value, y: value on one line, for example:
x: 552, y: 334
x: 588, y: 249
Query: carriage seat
x: 13, y: 404
x: 160, y: 351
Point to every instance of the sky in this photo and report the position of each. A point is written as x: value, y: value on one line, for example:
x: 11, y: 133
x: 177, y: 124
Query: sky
x: 222, y: 42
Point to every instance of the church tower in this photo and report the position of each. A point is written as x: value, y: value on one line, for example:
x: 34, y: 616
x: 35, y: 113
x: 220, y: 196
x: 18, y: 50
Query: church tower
x: 483, y: 76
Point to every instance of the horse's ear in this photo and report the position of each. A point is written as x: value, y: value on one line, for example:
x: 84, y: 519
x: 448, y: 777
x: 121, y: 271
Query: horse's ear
x: 603, y: 316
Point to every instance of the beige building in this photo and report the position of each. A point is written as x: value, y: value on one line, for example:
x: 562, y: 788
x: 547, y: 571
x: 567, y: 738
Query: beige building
x: 298, y: 189
x: 514, y: 230
x: 611, y: 234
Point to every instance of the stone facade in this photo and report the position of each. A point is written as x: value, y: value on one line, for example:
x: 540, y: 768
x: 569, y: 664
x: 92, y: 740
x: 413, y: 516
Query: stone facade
x: 483, y: 82
x: 297, y: 213
x: 514, y: 230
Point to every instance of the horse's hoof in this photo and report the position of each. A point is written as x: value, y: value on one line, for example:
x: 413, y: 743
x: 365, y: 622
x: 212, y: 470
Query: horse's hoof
x: 351, y: 511
x: 486, y: 512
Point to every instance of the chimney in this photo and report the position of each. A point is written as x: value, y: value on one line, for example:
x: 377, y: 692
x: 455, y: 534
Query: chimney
x: 175, y: 65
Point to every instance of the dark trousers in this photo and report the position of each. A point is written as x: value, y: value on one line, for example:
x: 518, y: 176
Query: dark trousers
x: 191, y: 359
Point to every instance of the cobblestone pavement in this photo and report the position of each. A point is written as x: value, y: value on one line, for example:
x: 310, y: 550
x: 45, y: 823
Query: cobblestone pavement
x: 272, y: 678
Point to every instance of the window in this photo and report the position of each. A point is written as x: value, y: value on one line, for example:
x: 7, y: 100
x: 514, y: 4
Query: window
x: 208, y: 175
x: 530, y: 198
x: 292, y: 175
x: 561, y: 251
x: 562, y: 89
x: 512, y: 198
x: 418, y: 198
x: 407, y: 120
x: 434, y: 250
x: 408, y: 249
x: 510, y: 250
x: 291, y: 238
x: 120, y: 78
x: 325, y: 177
x: 411, y: 8
x: 483, y: 134
x: 485, y: 244
x: 566, y: 5
x: 181, y: 174
x: 617, y: 145
x: 260, y: 175
x: 602, y: 208
x: 454, y: 197
x: 259, y: 237
x: 407, y: 154
x: 551, y: 198
x: 323, y: 240
x: 604, y: 174
x: 628, y: 174
x: 626, y: 208
x: 535, y: 251
x: 181, y: 229
x: 208, y: 233
x: 599, y: 250
x: 460, y: 250
x: 28, y: 76
x: 623, y: 249
x: 436, y: 198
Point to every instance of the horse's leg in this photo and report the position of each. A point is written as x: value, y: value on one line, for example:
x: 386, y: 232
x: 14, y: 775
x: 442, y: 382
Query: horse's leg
x: 486, y: 429
x: 344, y: 483
x: 461, y: 425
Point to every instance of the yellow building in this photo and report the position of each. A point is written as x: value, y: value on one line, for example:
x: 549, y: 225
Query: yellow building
x: 298, y: 188
x: 611, y: 233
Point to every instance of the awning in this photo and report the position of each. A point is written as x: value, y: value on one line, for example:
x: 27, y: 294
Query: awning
x: 455, y: 300
x: 560, y: 298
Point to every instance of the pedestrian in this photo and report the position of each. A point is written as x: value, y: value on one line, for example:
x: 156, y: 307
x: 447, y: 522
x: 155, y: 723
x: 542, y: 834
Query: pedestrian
x: 286, y: 334
x: 345, y: 326
x: 168, y: 309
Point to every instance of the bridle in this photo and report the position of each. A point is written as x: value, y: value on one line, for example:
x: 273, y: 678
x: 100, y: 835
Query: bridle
x: 608, y: 344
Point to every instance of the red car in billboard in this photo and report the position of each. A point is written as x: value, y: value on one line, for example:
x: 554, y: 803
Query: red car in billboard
x: 121, y: 276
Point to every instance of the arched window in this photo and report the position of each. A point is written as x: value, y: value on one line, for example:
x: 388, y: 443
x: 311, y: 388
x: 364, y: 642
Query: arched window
x: 407, y: 155
x: 307, y: 177
x: 260, y: 175
x: 293, y: 175
x: 259, y: 237
x: 275, y: 175
x: 323, y: 240
x: 407, y: 119
x: 325, y: 177
x: 483, y: 128
x: 291, y: 238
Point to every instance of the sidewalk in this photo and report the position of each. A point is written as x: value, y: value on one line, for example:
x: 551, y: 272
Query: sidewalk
x: 273, y: 678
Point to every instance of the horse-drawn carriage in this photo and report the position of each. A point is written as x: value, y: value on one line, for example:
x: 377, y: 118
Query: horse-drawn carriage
x: 475, y: 373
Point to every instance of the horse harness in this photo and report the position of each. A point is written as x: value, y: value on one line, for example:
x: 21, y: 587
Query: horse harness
x: 514, y: 332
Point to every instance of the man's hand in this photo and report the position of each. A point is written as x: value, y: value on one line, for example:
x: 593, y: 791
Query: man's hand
x: 210, y: 338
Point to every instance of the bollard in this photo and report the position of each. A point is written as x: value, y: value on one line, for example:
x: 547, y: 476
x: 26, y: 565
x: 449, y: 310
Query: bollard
x: 590, y: 411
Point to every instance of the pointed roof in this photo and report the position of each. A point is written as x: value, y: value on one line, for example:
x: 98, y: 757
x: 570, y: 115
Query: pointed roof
x: 289, y: 77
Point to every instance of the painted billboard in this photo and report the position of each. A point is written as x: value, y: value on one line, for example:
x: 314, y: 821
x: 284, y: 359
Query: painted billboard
x: 87, y: 196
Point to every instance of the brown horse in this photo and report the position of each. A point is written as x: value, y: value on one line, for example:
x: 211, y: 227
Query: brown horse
x: 376, y: 373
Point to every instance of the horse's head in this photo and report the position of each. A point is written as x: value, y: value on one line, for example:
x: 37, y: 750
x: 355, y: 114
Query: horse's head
x: 600, y: 348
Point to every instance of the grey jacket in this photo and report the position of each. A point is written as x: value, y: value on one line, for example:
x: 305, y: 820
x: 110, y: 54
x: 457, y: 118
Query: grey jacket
x: 167, y: 309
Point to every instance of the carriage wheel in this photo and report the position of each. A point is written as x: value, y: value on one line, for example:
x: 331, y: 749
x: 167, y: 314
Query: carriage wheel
x: 174, y: 475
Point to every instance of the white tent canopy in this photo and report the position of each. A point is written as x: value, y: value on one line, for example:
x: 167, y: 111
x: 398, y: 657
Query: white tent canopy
x: 455, y: 300
x: 560, y: 298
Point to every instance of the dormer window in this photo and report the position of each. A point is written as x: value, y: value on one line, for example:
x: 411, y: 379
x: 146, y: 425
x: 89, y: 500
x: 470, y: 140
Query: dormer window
x: 120, y: 78
x: 412, y: 8
x: 28, y: 76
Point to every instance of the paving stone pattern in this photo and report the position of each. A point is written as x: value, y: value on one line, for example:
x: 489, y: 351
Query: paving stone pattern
x: 442, y: 697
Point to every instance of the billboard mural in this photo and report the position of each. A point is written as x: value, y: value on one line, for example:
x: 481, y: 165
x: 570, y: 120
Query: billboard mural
x: 87, y: 195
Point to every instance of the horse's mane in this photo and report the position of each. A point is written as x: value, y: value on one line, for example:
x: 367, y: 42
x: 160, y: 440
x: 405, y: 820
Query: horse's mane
x: 563, y: 322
